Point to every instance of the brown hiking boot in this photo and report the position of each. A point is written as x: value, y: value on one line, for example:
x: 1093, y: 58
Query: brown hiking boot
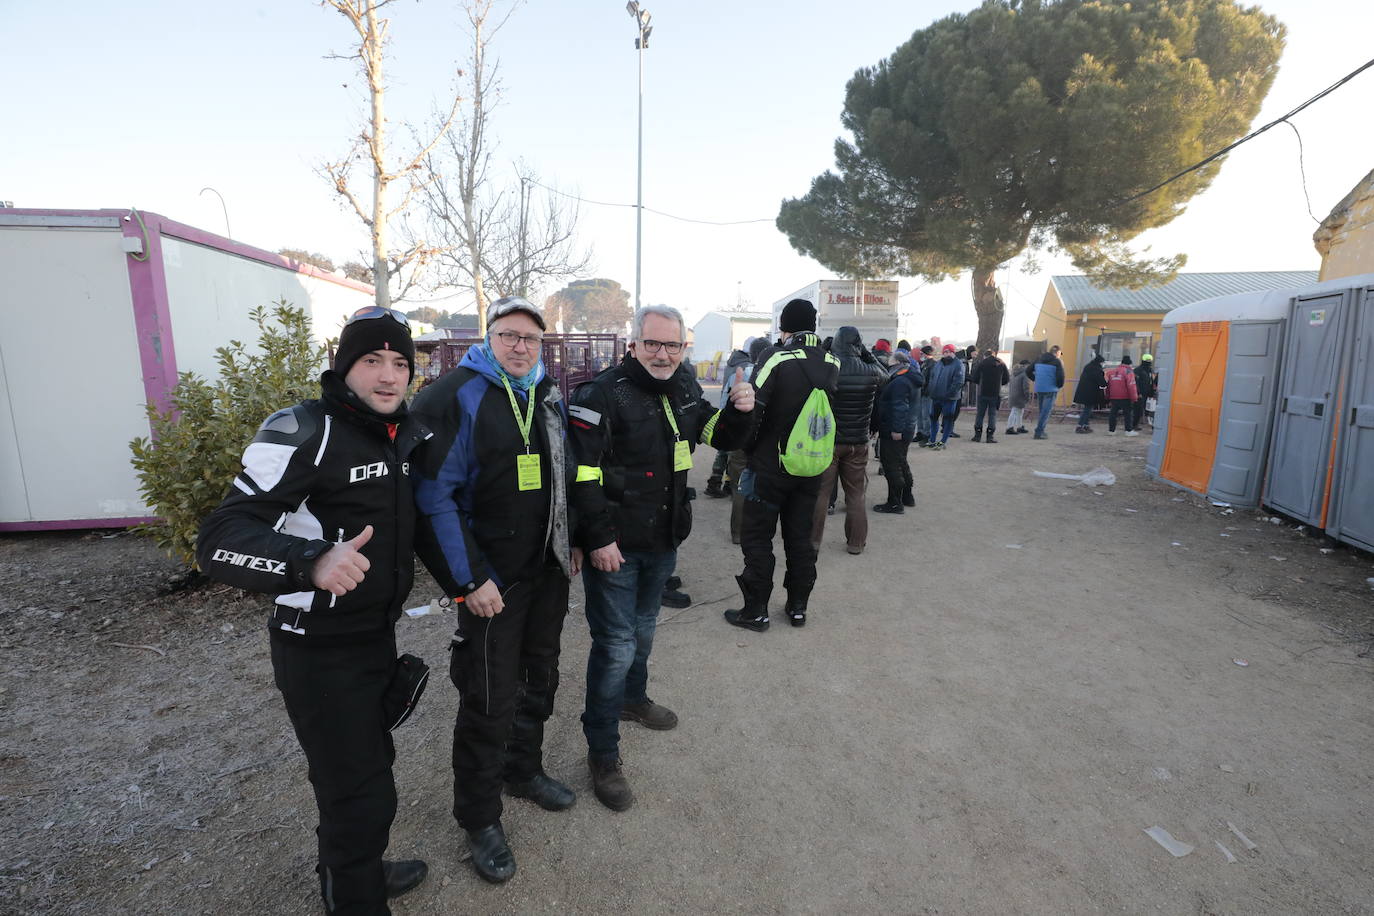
x: 609, y: 784
x: 649, y: 714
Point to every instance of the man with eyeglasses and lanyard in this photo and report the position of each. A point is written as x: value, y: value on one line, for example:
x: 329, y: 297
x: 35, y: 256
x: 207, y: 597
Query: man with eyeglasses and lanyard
x: 322, y: 517
x: 492, y: 491
x: 633, y: 429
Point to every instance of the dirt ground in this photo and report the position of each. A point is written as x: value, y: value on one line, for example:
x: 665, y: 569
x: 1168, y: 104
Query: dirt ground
x: 983, y: 714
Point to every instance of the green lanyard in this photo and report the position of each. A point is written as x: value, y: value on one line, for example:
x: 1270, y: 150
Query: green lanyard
x: 668, y: 410
x: 527, y: 421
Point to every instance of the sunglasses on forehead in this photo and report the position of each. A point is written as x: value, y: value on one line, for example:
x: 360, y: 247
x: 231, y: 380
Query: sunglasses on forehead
x: 376, y: 311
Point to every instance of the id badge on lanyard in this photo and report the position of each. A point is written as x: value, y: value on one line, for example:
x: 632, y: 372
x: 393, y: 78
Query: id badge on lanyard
x: 527, y: 470
x: 682, y: 456
x: 682, y: 451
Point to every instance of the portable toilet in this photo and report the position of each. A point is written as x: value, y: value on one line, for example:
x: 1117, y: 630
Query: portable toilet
x: 1352, y: 508
x: 1218, y: 362
x: 1321, y: 467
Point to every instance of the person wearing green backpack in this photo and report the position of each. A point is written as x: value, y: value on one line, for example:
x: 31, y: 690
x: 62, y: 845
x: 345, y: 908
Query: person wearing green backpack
x: 791, y: 445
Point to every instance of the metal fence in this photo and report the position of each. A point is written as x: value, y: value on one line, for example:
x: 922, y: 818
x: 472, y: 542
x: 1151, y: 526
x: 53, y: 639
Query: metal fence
x: 570, y: 358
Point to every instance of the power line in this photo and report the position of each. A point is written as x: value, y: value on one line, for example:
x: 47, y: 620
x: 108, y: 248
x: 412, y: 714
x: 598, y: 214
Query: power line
x: 1253, y: 134
x: 1172, y: 178
x: 685, y: 219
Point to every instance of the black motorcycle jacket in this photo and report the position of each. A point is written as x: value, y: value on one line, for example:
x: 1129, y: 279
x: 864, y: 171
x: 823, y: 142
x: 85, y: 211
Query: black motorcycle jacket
x: 314, y: 475
x: 627, y: 490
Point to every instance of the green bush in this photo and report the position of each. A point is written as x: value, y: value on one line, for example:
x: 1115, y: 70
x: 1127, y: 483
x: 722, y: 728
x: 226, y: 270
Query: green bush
x: 194, y: 452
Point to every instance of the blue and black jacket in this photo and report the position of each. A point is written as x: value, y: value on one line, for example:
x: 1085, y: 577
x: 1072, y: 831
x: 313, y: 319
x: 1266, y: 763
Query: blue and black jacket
x: 900, y: 401
x: 475, y: 523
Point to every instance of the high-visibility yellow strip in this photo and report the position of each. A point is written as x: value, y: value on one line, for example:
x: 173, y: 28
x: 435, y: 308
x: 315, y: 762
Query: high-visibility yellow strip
x: 709, y: 430
x: 587, y: 472
x: 780, y: 356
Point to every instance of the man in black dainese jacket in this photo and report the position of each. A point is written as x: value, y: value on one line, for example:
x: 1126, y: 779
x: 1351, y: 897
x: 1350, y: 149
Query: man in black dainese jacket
x: 322, y: 517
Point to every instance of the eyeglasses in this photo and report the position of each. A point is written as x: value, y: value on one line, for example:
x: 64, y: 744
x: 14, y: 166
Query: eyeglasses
x: 674, y: 347
x: 376, y: 311
x: 510, y: 339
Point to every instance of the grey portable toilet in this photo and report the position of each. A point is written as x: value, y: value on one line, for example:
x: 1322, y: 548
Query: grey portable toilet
x: 1352, y: 511
x: 1218, y: 365
x: 1315, y: 387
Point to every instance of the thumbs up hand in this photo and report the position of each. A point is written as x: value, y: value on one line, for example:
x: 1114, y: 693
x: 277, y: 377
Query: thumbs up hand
x: 340, y: 569
x: 741, y: 392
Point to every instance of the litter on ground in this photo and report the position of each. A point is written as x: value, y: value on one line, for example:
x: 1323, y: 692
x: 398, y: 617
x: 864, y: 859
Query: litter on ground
x: 1097, y: 477
x: 1230, y: 856
x: 1175, y: 848
x: 1245, y: 840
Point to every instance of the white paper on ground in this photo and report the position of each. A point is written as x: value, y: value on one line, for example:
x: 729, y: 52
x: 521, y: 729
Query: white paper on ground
x: 1245, y: 840
x: 1175, y: 848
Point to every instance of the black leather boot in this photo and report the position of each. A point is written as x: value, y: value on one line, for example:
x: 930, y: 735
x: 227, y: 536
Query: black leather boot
x: 403, y: 876
x: 893, y: 506
x: 909, y: 497
x: 754, y: 614
x: 545, y: 791
x: 990, y: 439
x: 796, y: 607
x: 491, y: 856
x: 977, y: 434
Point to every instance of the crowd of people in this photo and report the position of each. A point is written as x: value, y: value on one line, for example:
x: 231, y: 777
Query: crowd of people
x: 506, y: 493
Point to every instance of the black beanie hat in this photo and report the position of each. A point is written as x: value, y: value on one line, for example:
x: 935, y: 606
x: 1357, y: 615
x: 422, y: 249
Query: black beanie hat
x: 797, y: 315
x: 904, y: 345
x: 368, y: 334
x: 1126, y: 360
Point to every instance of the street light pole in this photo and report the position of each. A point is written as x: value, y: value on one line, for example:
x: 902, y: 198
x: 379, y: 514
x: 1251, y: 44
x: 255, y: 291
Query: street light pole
x: 222, y: 206
x: 641, y: 17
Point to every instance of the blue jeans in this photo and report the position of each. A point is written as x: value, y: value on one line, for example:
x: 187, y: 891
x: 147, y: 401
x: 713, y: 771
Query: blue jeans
x: 622, y: 614
x: 1044, y: 404
x: 942, y: 410
x: 923, y: 415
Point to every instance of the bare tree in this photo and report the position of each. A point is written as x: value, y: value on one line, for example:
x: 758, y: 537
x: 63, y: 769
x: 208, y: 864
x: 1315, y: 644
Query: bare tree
x: 371, y: 146
x: 493, y: 239
x: 534, y: 244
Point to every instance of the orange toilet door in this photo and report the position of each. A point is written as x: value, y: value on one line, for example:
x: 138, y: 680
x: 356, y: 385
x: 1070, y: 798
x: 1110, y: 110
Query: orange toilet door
x: 1195, y: 404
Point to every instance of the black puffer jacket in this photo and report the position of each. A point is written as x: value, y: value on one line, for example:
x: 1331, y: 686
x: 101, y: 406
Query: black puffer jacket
x: 1145, y: 379
x: 990, y: 374
x: 1092, y: 384
x: 316, y: 474
x: 860, y: 378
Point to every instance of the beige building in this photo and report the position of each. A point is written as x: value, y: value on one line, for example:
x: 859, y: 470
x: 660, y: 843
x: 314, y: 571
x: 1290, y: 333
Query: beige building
x: 1345, y: 238
x: 1083, y: 318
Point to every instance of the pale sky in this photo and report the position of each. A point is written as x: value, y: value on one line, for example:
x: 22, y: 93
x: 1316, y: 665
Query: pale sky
x: 145, y: 103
